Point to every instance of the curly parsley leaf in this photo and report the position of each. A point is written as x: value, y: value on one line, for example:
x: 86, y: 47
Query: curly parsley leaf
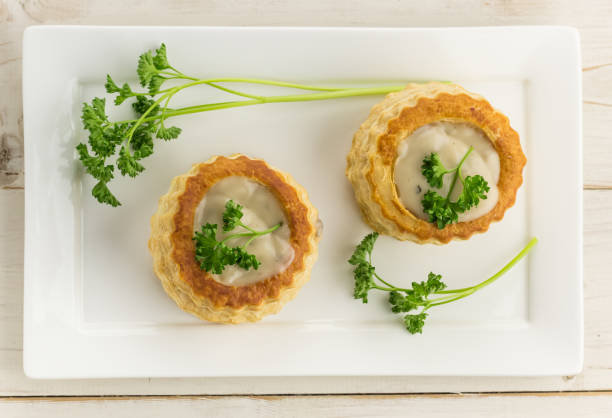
x: 433, y: 170
x: 146, y: 69
x: 103, y: 139
x: 160, y: 60
x: 94, y: 165
x: 232, y: 215
x: 213, y: 255
x: 364, y: 281
x: 102, y: 144
x: 149, y: 68
x: 441, y: 210
x: 363, y: 251
x: 155, y: 83
x: 142, y: 143
x: 245, y: 260
x: 414, y: 323
x: 474, y: 189
x: 421, y: 296
x: 127, y: 163
x: 110, y: 85
x: 94, y: 115
x: 434, y: 284
x: 103, y: 195
x: 363, y: 271
x: 125, y: 92
x: 403, y: 302
x: 142, y: 104
x: 168, y: 133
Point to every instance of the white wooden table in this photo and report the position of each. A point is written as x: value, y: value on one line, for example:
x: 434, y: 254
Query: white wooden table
x: 587, y: 394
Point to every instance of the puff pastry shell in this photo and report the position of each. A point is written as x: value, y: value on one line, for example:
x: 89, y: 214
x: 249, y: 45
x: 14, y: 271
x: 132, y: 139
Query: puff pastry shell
x: 371, y: 161
x: 171, y: 245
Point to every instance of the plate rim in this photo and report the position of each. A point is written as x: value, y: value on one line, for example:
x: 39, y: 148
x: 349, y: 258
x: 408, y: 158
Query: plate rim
x: 29, y: 365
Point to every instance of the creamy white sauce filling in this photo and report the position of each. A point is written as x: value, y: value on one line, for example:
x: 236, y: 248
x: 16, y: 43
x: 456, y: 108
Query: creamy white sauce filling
x: 261, y: 211
x: 451, y: 141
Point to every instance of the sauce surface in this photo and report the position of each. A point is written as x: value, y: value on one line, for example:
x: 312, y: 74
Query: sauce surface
x: 450, y: 141
x: 261, y: 211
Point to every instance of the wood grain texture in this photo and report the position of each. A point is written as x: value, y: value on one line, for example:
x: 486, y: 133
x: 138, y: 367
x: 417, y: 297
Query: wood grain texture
x: 515, y: 405
x: 597, y: 145
x: 592, y: 17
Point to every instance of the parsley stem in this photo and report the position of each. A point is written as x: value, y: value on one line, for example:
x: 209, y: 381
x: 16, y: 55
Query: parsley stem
x: 270, y: 230
x: 252, y: 234
x: 167, y: 96
x: 172, y: 68
x: 257, y: 234
x: 386, y: 289
x: 278, y: 99
x: 442, y: 292
x: 164, y: 110
x: 199, y: 108
x: 178, y: 75
x: 264, y: 82
x: 246, y: 227
x: 243, y: 234
x: 249, y: 241
x: 173, y: 78
x: 143, y: 118
x: 508, y: 266
x: 275, y: 83
x: 389, y: 284
x: 237, y: 93
x: 458, y: 172
x: 449, y: 300
x: 469, y: 290
x: 380, y: 278
x: 367, y: 91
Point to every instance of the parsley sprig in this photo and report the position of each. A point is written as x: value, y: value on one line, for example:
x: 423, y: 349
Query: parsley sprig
x: 124, y: 144
x: 442, y: 210
x: 421, y: 296
x: 214, y: 256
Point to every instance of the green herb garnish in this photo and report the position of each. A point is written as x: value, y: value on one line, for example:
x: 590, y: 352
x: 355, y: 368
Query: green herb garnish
x: 213, y: 255
x: 441, y: 210
x: 421, y: 296
x: 134, y: 137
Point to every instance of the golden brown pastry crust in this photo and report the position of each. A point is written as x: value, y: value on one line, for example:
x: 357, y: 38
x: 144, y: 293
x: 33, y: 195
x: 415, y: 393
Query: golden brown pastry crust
x: 371, y: 161
x: 173, y: 249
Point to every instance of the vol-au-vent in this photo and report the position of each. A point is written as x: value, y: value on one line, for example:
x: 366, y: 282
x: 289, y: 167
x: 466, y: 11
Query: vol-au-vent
x: 234, y: 239
x: 433, y: 163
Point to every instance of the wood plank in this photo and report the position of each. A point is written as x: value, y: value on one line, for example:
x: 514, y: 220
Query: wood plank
x: 11, y: 132
x: 598, y: 334
x: 11, y: 270
x: 597, y: 149
x: 581, y: 405
x: 597, y: 85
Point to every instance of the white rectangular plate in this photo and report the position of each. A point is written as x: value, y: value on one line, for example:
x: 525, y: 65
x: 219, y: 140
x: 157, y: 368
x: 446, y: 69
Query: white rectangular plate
x: 93, y: 307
